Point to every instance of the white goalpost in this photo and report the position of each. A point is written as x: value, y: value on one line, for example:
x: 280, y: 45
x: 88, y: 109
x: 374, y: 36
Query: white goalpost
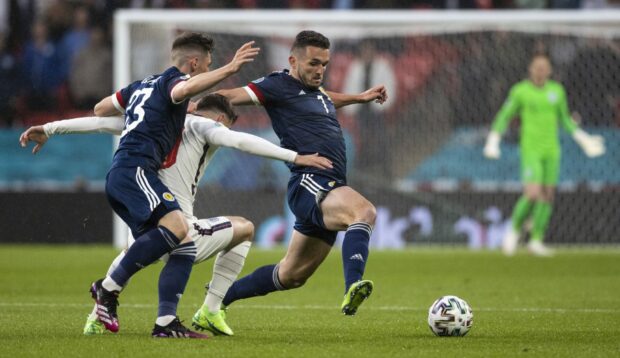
x: 447, y: 70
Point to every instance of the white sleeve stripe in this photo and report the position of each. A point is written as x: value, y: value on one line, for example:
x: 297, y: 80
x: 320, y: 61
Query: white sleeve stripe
x: 116, y: 104
x: 252, y: 95
x: 146, y: 188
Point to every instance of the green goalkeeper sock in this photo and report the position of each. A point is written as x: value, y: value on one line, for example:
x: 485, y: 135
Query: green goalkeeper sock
x: 542, y: 214
x: 520, y: 212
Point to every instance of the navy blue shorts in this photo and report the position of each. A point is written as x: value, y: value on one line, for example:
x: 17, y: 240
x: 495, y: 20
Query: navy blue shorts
x: 139, y: 198
x: 305, y: 193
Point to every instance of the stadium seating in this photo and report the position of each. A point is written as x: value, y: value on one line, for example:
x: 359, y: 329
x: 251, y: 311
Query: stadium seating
x: 460, y: 159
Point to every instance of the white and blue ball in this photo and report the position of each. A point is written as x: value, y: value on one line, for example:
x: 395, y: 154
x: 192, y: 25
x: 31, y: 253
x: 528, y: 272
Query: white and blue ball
x: 450, y: 316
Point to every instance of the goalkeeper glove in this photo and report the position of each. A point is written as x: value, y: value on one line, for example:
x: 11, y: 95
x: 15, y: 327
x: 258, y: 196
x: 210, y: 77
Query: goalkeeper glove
x: 491, y: 148
x: 592, y: 145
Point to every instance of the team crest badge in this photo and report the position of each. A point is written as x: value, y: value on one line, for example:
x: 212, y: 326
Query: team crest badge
x: 331, y: 183
x: 167, y: 196
x: 552, y: 97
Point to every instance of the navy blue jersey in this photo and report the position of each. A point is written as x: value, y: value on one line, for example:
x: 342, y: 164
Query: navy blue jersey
x: 304, y: 119
x: 153, y: 123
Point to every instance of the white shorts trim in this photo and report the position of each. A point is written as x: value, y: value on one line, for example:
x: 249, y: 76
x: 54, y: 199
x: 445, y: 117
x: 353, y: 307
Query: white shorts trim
x: 210, y: 236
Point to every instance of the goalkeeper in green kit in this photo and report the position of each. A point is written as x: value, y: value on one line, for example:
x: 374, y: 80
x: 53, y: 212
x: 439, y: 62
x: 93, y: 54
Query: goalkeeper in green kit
x: 542, y: 106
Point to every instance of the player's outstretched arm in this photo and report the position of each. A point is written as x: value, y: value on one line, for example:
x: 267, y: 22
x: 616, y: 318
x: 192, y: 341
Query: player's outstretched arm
x: 245, y: 142
x: 206, y: 80
x: 106, y: 108
x: 377, y: 94
x: 82, y: 125
x: 237, y: 96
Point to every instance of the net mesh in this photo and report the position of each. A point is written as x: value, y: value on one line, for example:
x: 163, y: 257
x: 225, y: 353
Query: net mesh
x: 418, y: 157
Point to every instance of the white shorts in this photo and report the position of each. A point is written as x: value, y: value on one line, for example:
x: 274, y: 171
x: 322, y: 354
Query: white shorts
x: 210, y: 236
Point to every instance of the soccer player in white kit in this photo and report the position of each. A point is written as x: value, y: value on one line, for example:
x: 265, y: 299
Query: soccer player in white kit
x: 229, y: 237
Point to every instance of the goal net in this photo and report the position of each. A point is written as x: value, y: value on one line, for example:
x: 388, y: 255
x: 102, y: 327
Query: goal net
x: 418, y: 157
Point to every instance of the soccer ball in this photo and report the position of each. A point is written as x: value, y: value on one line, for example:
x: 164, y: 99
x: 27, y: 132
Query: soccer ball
x: 450, y: 316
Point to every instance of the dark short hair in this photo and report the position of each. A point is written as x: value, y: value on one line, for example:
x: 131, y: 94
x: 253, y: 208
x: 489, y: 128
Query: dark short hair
x: 310, y: 38
x: 218, y: 103
x: 193, y: 41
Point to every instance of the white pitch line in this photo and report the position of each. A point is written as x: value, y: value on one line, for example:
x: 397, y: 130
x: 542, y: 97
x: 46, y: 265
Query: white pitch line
x: 328, y: 308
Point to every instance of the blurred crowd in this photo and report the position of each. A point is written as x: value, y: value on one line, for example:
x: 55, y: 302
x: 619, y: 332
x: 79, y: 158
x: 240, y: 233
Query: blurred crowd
x: 55, y: 55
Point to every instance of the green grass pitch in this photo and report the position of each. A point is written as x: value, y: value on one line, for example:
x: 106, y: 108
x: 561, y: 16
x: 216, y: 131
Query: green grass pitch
x: 566, y: 306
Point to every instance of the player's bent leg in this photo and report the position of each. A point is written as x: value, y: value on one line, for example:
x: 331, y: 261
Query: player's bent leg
x: 243, y: 230
x: 304, y: 255
x: 227, y: 266
x: 344, y: 208
x: 176, y: 223
x: 145, y: 250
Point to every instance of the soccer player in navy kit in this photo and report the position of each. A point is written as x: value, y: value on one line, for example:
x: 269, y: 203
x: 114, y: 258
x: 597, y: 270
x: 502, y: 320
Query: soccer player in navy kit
x: 155, y: 110
x: 303, y: 116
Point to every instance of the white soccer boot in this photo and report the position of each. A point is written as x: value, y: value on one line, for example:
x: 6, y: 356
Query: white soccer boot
x: 537, y: 248
x: 509, y: 243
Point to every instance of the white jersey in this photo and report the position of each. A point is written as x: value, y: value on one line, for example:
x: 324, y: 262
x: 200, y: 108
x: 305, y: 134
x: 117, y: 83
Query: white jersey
x: 194, y: 154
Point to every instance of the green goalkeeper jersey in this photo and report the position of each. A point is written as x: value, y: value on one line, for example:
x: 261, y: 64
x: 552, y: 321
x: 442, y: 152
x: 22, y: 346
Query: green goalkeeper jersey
x: 540, y: 110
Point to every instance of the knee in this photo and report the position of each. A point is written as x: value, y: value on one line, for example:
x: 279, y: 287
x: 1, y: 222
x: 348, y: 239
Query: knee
x: 247, y: 228
x: 292, y: 279
x: 179, y: 229
x: 367, y: 214
x: 175, y: 222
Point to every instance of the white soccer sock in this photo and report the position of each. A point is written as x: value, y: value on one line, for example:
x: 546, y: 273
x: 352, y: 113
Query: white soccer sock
x: 164, y: 320
x: 115, y: 263
x: 226, y: 268
x: 108, y: 283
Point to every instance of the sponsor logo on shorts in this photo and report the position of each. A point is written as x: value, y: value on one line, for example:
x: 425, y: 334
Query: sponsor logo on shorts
x: 331, y: 183
x: 167, y: 196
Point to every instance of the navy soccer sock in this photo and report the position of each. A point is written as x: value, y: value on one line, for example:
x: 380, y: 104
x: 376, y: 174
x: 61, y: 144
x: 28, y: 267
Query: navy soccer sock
x: 173, y: 278
x: 144, y: 251
x: 355, y: 252
x: 259, y: 283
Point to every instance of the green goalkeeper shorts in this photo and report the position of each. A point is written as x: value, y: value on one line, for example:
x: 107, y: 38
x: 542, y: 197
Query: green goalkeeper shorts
x: 540, y: 168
